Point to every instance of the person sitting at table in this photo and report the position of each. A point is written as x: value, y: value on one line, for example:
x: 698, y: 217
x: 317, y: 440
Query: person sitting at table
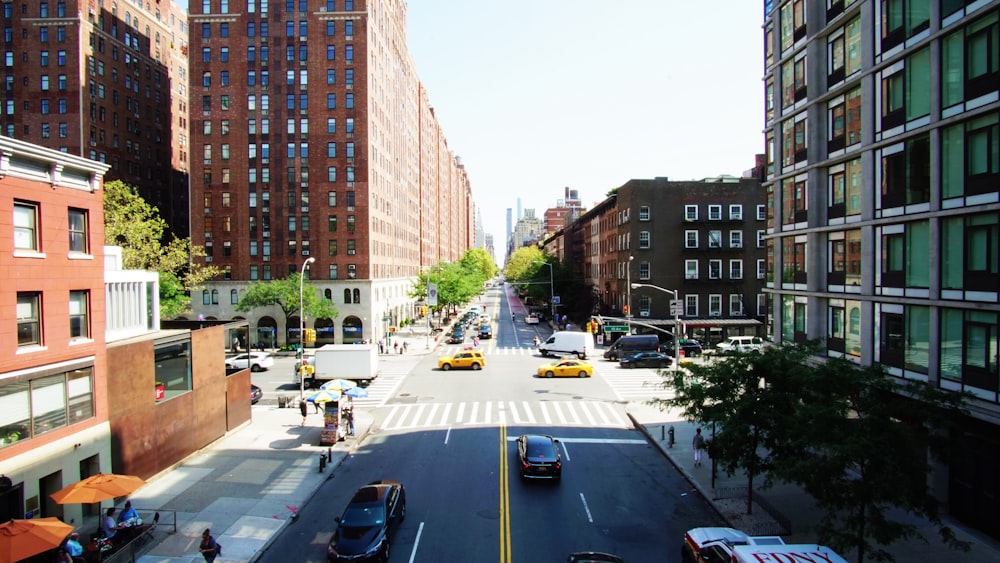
x: 108, y: 526
x: 128, y: 517
x: 74, y: 548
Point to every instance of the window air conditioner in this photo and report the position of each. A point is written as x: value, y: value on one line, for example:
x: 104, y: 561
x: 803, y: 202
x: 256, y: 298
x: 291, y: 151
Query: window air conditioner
x: 352, y: 252
x: 643, y: 313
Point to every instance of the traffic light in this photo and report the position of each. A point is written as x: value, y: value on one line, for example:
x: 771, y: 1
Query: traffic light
x: 423, y: 311
x: 310, y: 336
x: 625, y: 310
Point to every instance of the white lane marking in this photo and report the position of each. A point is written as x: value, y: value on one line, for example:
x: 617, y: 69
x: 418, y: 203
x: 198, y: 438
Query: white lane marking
x: 565, y: 451
x: 586, y: 508
x: 447, y: 435
x: 416, y: 543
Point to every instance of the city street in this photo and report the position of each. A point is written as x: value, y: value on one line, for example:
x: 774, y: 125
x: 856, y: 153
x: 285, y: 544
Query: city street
x: 449, y: 438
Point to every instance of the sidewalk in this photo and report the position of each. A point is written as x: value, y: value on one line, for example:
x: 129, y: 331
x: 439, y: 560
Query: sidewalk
x: 787, y: 503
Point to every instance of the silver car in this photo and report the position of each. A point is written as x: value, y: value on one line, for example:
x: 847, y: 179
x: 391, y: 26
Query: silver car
x: 256, y: 361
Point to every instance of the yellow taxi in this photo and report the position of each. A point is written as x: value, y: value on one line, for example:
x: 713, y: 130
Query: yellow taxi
x: 566, y: 368
x: 471, y: 359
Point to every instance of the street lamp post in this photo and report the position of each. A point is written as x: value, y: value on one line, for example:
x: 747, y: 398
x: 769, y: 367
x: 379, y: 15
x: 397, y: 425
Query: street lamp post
x: 628, y: 289
x: 302, y: 329
x: 677, y: 321
x: 552, y: 289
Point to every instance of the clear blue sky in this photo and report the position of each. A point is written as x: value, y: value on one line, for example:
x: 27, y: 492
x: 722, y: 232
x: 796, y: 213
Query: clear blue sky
x: 589, y: 94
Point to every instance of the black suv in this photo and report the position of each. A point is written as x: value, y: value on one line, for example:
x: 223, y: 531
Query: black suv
x: 363, y: 531
x: 538, y: 457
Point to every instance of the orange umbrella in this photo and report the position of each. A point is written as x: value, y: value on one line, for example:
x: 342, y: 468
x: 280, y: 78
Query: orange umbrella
x: 102, y: 486
x: 20, y: 539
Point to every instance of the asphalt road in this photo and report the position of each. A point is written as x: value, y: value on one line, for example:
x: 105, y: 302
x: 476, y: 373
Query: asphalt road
x: 465, y: 500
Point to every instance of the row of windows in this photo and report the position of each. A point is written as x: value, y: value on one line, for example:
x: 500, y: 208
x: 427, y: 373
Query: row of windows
x: 715, y: 240
x: 292, y: 29
x: 43, y: 58
x: 715, y: 212
x: 970, y: 167
x: 263, y: 6
x: 715, y: 305
x: 969, y: 269
x: 968, y: 341
x: 27, y: 233
x: 292, y: 126
x: 715, y: 272
x: 264, y: 272
x: 30, y: 315
x: 300, y: 176
x: 43, y: 34
x: 43, y: 9
x: 292, y: 150
x: 31, y: 408
x: 212, y: 297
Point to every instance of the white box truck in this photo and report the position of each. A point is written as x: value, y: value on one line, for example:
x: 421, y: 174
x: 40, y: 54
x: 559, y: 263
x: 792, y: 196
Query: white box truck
x: 355, y: 362
x: 789, y: 553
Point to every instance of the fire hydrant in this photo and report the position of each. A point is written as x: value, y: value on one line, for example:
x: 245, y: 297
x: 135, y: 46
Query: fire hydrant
x: 670, y: 437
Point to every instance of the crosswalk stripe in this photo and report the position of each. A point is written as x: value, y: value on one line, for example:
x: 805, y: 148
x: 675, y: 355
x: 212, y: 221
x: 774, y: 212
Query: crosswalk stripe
x: 480, y: 413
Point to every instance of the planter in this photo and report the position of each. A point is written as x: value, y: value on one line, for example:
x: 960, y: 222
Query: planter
x: 161, y: 390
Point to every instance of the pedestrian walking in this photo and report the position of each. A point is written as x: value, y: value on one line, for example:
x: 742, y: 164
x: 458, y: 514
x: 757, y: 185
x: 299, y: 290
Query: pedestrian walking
x: 381, y: 346
x: 698, y: 443
x: 395, y: 346
x: 406, y: 346
x: 304, y: 409
x: 236, y: 345
x: 475, y: 341
x: 209, y: 548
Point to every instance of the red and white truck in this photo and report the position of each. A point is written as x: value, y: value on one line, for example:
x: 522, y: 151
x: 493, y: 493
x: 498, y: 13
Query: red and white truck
x: 788, y: 553
x: 716, y: 544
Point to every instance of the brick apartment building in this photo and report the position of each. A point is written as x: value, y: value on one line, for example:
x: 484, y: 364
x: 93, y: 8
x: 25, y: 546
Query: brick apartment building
x: 105, y: 81
x: 316, y: 140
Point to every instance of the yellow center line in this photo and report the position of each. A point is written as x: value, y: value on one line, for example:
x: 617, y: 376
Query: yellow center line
x: 504, y: 498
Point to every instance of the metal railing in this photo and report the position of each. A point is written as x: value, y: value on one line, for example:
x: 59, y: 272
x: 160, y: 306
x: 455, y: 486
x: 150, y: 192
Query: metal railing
x: 160, y: 523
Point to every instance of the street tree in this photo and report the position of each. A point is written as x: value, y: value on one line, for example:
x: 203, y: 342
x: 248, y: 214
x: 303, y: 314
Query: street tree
x: 136, y: 226
x: 869, y: 440
x: 743, y: 399
x: 284, y: 294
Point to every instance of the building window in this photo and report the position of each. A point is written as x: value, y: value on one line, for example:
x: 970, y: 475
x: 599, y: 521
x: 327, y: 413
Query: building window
x: 761, y: 305
x: 736, y: 269
x: 690, y: 239
x: 79, y: 314
x: 644, y: 271
x: 78, y: 241
x: 715, y: 269
x: 794, y: 200
x: 234, y: 297
x: 970, y: 157
x: 905, y: 173
x: 714, y: 305
x: 902, y: 19
x: 735, y: 305
x: 690, y: 212
x: 736, y: 212
x: 715, y: 239
x: 26, y: 226
x: 969, y: 254
x: 644, y: 213
x: 352, y: 271
x: 714, y: 212
x: 905, y: 255
x: 793, y: 267
x: 29, y: 319
x: 690, y: 269
x: 761, y: 268
x: 904, y: 337
x: 905, y: 95
x: 690, y: 305
x: 969, y: 343
x: 331, y: 248
x: 971, y: 58
x: 845, y: 189
x: 644, y: 239
x: 735, y: 239
x: 762, y: 212
x: 173, y: 367
x: 332, y: 273
x: 845, y: 258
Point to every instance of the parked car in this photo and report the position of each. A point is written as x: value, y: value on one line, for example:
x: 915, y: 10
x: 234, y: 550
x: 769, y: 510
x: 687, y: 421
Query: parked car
x: 735, y: 344
x: 256, y: 361
x: 538, y: 457
x: 255, y: 394
x: 365, y: 528
x: 485, y: 331
x: 531, y: 319
x: 691, y: 348
x: 471, y: 359
x: 457, y: 336
x: 566, y: 368
x: 646, y: 360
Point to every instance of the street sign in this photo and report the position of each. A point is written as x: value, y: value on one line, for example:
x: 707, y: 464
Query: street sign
x: 676, y: 308
x: 615, y: 328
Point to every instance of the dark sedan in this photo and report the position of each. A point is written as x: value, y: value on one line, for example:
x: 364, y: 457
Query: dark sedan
x: 485, y: 332
x: 645, y: 360
x: 538, y: 457
x: 691, y: 348
x: 255, y: 394
x: 364, y: 530
x: 456, y: 337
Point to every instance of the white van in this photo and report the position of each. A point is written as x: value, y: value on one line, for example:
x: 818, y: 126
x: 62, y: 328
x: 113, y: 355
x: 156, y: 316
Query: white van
x: 790, y: 552
x: 735, y: 344
x: 568, y: 342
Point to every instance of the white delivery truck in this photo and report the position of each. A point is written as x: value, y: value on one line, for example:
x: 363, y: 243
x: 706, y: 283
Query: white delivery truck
x: 715, y: 544
x: 355, y: 362
x: 788, y: 553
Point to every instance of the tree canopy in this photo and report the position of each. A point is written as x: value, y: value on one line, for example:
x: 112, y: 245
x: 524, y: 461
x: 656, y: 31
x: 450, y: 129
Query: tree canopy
x: 284, y: 293
x: 457, y: 282
x: 136, y: 226
x: 857, y: 440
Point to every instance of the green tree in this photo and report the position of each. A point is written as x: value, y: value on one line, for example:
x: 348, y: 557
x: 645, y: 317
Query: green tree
x: 136, y: 226
x: 743, y: 398
x: 457, y: 282
x: 871, y: 440
x: 284, y: 293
